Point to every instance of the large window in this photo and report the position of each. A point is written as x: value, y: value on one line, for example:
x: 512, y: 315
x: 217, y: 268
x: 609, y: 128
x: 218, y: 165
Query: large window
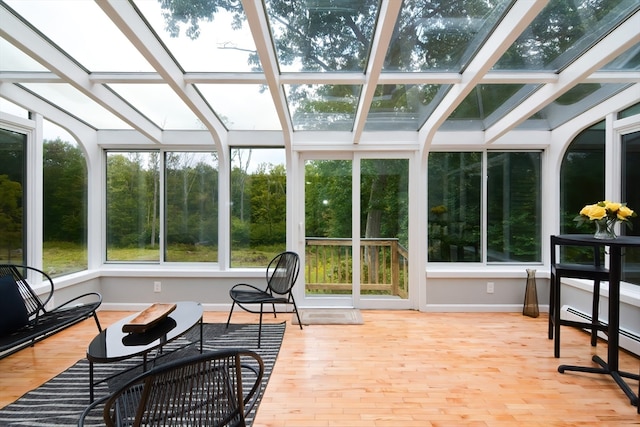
x: 454, y: 201
x: 191, y: 207
x: 133, y: 205
x: 512, y: 203
x: 190, y: 200
x: 631, y: 195
x: 582, y: 181
x: 64, y: 208
x: 513, y: 207
x: 258, y: 205
x: 581, y: 176
x: 13, y: 146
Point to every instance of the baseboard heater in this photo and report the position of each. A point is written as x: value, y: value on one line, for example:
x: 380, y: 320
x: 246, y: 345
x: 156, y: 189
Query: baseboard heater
x: 629, y: 340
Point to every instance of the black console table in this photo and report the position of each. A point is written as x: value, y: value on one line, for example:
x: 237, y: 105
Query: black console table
x: 610, y: 367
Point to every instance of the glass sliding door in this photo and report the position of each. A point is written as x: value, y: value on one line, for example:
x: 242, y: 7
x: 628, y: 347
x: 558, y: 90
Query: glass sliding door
x: 328, y: 269
x: 384, y: 230
x: 356, y: 232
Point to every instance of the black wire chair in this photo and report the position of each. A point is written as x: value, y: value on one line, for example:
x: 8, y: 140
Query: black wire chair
x: 42, y: 321
x: 213, y: 389
x: 282, y: 274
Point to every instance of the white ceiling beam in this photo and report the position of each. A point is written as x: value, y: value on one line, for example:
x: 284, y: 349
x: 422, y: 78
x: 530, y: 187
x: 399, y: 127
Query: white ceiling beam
x: 617, y: 76
x: 387, y: 18
x: 125, y: 17
x: 31, y: 102
x: 254, y: 10
x: 614, y: 77
x: 505, y: 34
x: 26, y: 39
x: 612, y: 45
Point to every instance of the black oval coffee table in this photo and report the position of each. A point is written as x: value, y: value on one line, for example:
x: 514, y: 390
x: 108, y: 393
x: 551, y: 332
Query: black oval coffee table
x: 112, y: 344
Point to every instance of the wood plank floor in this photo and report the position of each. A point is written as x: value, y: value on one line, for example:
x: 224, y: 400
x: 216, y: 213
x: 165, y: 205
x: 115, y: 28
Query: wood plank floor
x: 401, y: 368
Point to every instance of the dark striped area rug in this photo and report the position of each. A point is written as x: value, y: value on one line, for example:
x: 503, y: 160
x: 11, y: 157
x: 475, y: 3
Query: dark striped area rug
x: 60, y: 401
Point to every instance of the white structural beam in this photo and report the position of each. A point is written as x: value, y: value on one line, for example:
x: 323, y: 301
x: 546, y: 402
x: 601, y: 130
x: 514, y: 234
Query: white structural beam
x: 29, y: 41
x: 257, y: 20
x: 389, y: 12
x: 606, y: 50
x: 514, y: 23
x: 125, y: 17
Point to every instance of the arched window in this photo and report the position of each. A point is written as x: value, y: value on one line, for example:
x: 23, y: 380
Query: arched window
x: 582, y: 181
x: 582, y: 176
x: 64, y: 203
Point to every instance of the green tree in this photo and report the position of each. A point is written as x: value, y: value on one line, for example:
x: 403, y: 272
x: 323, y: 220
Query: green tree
x: 328, y: 204
x: 191, y: 198
x: 64, y: 188
x: 10, y: 215
x: 268, y: 204
x: 130, y: 199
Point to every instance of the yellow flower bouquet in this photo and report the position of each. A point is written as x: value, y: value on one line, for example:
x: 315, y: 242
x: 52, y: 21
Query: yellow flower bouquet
x: 605, y: 215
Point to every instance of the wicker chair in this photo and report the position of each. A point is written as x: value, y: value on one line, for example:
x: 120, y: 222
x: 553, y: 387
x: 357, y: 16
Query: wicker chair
x: 282, y: 274
x: 216, y: 389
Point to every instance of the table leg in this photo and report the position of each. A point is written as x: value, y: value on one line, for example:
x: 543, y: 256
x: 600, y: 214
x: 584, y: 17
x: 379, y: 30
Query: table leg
x: 201, y: 335
x: 90, y: 381
x: 611, y: 366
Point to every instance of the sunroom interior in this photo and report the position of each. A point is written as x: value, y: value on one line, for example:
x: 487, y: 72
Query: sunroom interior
x: 417, y: 155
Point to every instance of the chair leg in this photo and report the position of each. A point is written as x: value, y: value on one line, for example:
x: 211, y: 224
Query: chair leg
x: 551, y: 305
x: 260, y: 325
x: 595, y: 321
x: 230, y: 312
x: 95, y: 316
x: 295, y: 309
x: 556, y: 317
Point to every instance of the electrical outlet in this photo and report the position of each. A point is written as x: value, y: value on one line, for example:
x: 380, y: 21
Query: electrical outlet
x: 490, y: 287
x: 157, y: 286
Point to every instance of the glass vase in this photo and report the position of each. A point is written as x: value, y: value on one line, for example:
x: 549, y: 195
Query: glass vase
x: 605, y: 229
x: 530, y: 307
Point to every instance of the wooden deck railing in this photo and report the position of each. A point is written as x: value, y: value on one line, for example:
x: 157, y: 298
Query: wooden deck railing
x: 384, y: 266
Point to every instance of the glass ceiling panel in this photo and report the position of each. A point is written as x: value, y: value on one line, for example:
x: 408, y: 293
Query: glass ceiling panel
x: 9, y: 107
x: 628, y: 112
x: 84, y: 32
x: 441, y: 36
x: 562, y: 31
x: 76, y: 103
x: 486, y: 104
x: 322, y: 35
x: 323, y: 107
x: 13, y: 59
x: 403, y: 107
x: 572, y: 103
x: 204, y: 36
x: 630, y: 60
x: 160, y: 104
x: 242, y: 106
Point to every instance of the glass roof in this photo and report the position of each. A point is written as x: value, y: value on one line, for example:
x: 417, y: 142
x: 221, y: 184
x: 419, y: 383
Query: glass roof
x: 202, y: 40
x: 355, y: 66
x: 562, y: 31
x: 441, y: 36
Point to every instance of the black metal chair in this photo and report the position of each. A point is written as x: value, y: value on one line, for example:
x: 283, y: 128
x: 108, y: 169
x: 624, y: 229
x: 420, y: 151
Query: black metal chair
x: 282, y: 274
x: 217, y: 389
x: 594, y: 270
x: 38, y: 322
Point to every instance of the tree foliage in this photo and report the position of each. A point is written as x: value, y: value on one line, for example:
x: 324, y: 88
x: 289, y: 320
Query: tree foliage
x: 65, y: 192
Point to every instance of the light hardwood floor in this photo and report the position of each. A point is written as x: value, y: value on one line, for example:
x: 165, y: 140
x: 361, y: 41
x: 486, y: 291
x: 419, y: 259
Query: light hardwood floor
x: 401, y: 369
